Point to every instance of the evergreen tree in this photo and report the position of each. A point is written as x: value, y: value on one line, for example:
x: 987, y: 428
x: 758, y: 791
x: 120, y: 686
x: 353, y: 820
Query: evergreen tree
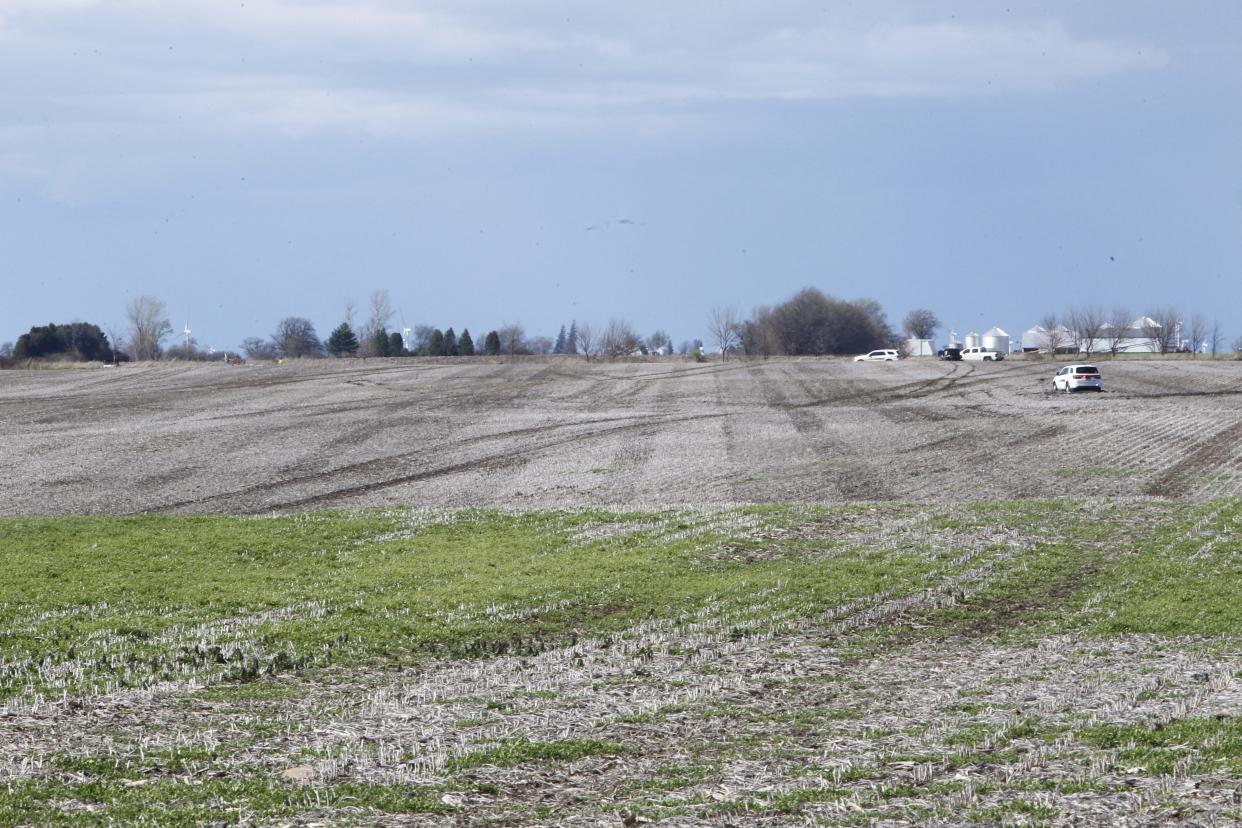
x: 343, y: 341
x: 80, y: 340
x: 379, y: 343
x: 435, y: 345
x: 465, y: 345
x: 450, y: 343
x: 491, y: 345
x: 396, y: 345
x: 559, y: 346
x: 571, y: 338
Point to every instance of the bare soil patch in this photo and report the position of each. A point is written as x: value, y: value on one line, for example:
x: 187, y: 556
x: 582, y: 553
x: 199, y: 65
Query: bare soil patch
x: 564, y: 433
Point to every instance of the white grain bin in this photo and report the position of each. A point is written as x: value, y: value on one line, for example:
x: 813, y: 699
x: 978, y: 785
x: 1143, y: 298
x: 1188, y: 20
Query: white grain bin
x: 972, y: 340
x: 997, y: 340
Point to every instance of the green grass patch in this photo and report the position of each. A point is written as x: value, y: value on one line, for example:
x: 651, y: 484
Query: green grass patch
x: 796, y: 800
x: 678, y: 776
x: 267, y: 691
x: 520, y: 751
x: 1092, y: 472
x: 1007, y: 811
x: 111, y: 801
x: 1177, y: 584
x: 1216, y: 744
x: 90, y: 604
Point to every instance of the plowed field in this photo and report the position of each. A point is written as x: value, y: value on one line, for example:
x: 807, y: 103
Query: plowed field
x: 215, y: 439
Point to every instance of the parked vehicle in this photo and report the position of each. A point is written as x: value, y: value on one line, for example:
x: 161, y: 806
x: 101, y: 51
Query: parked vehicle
x: 952, y: 353
x: 883, y: 355
x: 1075, y: 377
x: 985, y: 354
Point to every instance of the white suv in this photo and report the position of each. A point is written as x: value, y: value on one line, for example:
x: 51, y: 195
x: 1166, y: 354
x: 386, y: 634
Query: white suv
x: 1074, y: 377
x: 886, y: 355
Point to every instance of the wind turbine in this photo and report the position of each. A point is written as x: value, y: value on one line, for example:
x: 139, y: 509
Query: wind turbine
x: 187, y: 333
x: 405, y: 332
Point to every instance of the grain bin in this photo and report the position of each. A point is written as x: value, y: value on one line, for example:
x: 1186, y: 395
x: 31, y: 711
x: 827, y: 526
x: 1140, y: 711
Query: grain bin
x: 972, y: 340
x: 996, y: 339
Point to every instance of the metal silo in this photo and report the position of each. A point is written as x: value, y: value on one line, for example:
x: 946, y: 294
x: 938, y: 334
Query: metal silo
x: 996, y: 340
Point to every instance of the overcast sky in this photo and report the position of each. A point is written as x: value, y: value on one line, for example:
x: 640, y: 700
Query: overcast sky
x: 489, y: 162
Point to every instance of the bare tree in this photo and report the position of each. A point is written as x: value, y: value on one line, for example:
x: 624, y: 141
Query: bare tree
x: 1152, y: 332
x: 724, y: 326
x: 295, y: 337
x: 618, y: 339
x: 920, y: 323
x: 1163, y: 329
x: 351, y: 310
x: 1216, y: 337
x: 1237, y: 348
x: 422, y: 338
x: 1118, y: 329
x: 258, y: 348
x: 512, y: 338
x: 540, y: 345
x: 1054, y: 335
x: 148, y: 326
x: 1088, y: 324
x: 759, y: 334
x: 586, y: 339
x: 381, y: 311
x: 114, y: 339
x: 1198, y: 333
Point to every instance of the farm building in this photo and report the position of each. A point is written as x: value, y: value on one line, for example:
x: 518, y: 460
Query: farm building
x: 1059, y: 339
x: 1143, y: 336
x: 919, y: 347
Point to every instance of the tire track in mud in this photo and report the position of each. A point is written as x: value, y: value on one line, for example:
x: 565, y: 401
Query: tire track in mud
x: 375, y: 463
x: 729, y: 435
x: 1156, y: 444
x: 859, y: 480
x: 959, y: 379
x: 495, y: 460
x: 1215, y: 452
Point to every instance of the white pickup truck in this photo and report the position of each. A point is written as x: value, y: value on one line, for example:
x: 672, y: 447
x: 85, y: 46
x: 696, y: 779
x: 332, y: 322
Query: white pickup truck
x: 982, y: 354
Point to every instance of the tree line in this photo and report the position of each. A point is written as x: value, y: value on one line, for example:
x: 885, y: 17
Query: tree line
x: 809, y: 323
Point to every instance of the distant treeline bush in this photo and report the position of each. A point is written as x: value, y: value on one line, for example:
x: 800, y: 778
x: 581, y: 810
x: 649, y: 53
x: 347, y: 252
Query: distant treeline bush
x: 814, y: 324
x: 74, y: 341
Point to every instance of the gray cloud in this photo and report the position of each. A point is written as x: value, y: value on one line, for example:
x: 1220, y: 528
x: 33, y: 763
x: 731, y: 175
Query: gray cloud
x: 148, y: 73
